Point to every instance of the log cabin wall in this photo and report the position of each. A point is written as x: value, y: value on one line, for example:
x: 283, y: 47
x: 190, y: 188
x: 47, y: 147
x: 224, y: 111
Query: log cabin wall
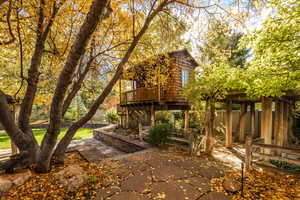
x: 172, y: 92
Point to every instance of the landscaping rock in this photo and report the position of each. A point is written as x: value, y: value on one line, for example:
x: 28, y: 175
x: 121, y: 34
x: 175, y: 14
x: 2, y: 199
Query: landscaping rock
x: 14, y: 180
x: 20, y: 178
x: 231, y: 185
x: 5, y: 185
x: 72, y: 177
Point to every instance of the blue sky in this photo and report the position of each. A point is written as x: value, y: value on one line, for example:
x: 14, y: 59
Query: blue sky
x: 199, y: 21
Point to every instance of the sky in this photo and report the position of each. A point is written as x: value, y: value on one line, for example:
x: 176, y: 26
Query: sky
x: 198, y: 23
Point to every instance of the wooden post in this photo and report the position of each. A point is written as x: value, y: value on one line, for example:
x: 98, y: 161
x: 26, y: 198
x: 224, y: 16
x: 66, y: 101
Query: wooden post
x: 253, y: 120
x: 229, y: 124
x: 140, y: 131
x: 266, y: 124
x: 248, y: 147
x: 152, y: 113
x: 242, y: 122
x: 286, y: 112
x: 158, y: 89
x: 279, y: 124
x: 186, y: 121
x: 126, y: 118
x: 120, y: 90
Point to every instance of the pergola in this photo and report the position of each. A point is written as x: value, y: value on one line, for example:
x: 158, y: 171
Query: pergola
x: 280, y: 123
x: 277, y: 139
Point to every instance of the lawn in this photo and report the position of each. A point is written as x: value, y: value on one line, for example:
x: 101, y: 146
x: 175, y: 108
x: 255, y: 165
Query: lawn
x: 39, y: 134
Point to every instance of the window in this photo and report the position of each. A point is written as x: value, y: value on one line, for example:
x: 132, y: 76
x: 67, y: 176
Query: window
x: 185, y: 77
x: 134, y: 85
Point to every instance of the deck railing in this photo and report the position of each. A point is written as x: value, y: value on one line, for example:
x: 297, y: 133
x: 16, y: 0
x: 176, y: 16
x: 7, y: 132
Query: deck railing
x: 140, y: 95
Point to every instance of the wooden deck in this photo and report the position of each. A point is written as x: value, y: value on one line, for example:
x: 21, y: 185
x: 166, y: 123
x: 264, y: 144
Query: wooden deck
x: 141, y: 95
x: 150, y: 95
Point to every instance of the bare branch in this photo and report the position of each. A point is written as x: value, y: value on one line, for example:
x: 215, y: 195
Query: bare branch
x: 13, y: 38
x: 2, y: 2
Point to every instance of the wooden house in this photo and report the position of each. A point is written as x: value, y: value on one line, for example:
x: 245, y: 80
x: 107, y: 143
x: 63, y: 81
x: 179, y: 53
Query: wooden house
x: 157, y: 96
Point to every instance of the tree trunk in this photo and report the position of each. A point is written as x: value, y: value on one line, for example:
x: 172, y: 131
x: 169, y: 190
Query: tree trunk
x: 33, y: 72
x: 22, y: 140
x: 63, y: 144
x: 64, y: 80
x: 209, y: 143
x: 76, y: 87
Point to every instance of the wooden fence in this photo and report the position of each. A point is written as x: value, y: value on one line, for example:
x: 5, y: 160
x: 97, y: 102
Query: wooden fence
x: 265, y: 150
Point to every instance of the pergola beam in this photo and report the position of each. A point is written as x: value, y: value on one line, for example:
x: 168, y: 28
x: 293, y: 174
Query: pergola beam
x: 266, y: 121
x: 228, y: 124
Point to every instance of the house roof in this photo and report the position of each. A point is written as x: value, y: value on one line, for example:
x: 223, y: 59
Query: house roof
x: 160, y: 58
x: 186, y: 53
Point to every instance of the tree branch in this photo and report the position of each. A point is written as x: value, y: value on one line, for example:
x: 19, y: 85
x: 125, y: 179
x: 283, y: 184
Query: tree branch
x: 13, y: 38
x: 62, y: 146
x: 94, y: 16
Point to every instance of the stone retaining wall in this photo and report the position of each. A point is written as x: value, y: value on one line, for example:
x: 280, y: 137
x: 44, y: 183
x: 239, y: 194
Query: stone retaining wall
x: 120, y: 142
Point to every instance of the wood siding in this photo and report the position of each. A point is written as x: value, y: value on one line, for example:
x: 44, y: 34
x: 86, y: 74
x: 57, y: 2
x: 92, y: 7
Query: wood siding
x: 172, y: 91
x: 174, y: 85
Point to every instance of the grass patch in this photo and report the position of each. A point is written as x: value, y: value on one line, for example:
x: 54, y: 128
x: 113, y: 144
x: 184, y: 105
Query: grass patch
x: 39, y: 134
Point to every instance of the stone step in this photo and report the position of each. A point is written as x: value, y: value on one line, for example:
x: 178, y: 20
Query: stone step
x: 179, y: 139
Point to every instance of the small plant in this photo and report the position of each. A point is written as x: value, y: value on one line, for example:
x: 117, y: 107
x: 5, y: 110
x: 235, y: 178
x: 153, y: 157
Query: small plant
x: 112, y: 117
x: 159, y: 133
x: 93, y: 179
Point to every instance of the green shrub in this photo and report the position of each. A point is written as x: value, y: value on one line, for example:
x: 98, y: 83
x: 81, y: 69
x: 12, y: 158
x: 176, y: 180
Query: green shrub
x: 112, y: 117
x: 178, y: 115
x: 133, y: 124
x: 159, y: 133
x: 285, y: 165
x: 194, y: 120
x: 164, y: 117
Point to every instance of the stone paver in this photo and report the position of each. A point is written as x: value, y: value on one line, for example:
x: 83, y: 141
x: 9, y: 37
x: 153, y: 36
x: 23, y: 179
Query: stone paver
x: 215, y: 196
x: 92, y: 154
x: 175, y: 190
x: 107, y: 192
x: 201, y: 183
x: 79, y: 145
x: 127, y: 196
x: 137, y: 183
x: 162, y: 175
x: 211, y: 172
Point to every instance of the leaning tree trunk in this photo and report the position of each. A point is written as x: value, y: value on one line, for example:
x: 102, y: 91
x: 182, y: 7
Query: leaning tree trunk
x: 63, y: 144
x: 23, y: 141
x: 64, y: 80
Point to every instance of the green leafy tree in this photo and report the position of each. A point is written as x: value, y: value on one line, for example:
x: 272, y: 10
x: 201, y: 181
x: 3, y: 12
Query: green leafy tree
x: 211, y: 83
x: 223, y: 42
x: 274, y: 68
